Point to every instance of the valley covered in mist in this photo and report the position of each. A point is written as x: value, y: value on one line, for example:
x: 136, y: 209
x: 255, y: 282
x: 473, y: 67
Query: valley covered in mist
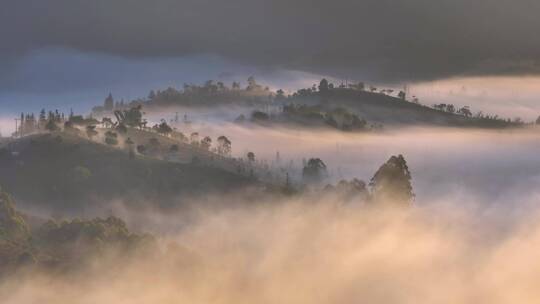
x: 188, y: 204
x: 269, y: 152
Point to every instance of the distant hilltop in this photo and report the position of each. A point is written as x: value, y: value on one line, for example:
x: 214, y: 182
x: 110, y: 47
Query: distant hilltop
x: 375, y: 106
x: 208, y: 94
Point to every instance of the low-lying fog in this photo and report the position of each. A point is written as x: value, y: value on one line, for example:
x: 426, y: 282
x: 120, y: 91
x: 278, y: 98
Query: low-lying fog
x: 303, y: 252
x: 468, y: 166
x: 471, y: 237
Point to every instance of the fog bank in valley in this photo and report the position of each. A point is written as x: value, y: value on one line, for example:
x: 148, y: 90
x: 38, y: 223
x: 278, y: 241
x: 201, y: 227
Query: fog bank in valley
x: 467, y: 166
x: 471, y: 235
x: 304, y: 252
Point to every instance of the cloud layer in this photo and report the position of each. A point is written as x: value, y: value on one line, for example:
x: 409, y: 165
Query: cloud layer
x: 306, y: 252
x: 377, y: 40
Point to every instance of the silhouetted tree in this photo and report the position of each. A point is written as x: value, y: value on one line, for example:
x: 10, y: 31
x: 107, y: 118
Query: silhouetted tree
x: 109, y: 103
x: 280, y: 94
x: 130, y: 118
x: 392, y: 182
x: 252, y: 84
x: 163, y: 128
x: 251, y: 156
x: 221, y: 86
x: 151, y: 95
x: 323, y: 86
x: 315, y: 170
x: 206, y: 143
x: 42, y: 118
x: 224, y: 146
x: 465, y: 111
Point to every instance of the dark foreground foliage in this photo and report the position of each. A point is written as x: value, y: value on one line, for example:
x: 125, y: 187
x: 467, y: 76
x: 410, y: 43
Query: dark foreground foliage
x: 61, y: 244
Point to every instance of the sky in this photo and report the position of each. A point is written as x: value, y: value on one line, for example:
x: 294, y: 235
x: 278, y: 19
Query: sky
x: 72, y: 53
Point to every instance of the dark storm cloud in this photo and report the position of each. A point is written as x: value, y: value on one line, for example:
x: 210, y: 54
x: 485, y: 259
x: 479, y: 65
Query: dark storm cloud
x: 376, y: 39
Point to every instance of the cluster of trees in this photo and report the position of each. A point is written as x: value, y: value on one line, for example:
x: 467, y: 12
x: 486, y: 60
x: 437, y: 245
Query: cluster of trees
x: 12, y: 224
x: 342, y: 119
x: 391, y: 184
x: 126, y: 118
x: 216, y: 91
x: 109, y: 104
x: 28, y: 124
x: 117, y: 129
x: 338, y: 118
x: 163, y: 128
x: 210, y: 91
x: 154, y: 147
x: 450, y: 108
x: 466, y: 112
x: 346, y: 191
x: 50, y: 121
x: 60, y: 243
x: 223, y: 144
x: 326, y: 88
x: 132, y: 117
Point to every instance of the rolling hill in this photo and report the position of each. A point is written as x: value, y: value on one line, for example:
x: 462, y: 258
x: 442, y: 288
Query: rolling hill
x: 377, y: 108
x: 59, y: 172
x: 392, y: 111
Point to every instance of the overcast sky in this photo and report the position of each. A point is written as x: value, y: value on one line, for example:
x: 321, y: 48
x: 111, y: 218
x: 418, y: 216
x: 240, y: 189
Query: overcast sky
x: 62, y: 49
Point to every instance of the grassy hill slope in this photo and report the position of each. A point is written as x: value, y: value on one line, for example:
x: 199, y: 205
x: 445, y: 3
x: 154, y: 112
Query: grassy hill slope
x: 65, y: 172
